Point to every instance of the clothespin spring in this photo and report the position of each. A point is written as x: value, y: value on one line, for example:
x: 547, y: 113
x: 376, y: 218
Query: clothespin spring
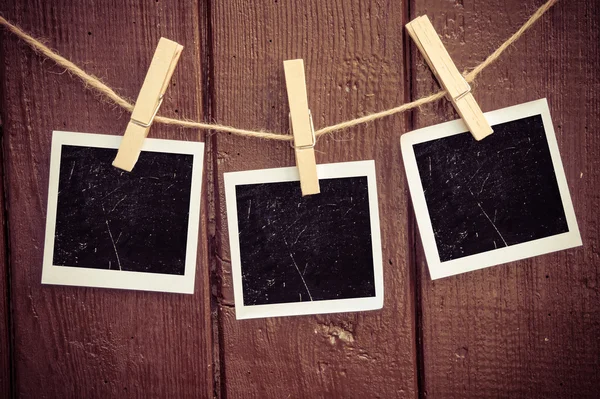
x: 142, y: 124
x: 464, y: 93
x: 312, y: 131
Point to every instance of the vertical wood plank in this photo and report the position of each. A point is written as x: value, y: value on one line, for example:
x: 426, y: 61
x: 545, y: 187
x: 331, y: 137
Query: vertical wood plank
x: 354, y: 57
x: 530, y: 328
x: 84, y: 342
x: 5, y: 365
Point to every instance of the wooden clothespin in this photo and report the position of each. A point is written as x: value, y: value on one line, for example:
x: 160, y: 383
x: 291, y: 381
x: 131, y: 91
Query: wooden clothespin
x: 148, y: 102
x: 459, y: 90
x: 301, y: 126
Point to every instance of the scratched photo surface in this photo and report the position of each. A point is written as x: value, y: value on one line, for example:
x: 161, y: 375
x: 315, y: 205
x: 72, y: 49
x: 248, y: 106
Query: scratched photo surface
x: 111, y: 219
x: 313, y: 248
x: 492, y: 193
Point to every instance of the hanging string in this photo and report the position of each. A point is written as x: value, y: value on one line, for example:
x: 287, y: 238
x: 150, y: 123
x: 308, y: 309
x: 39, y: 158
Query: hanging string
x: 96, y: 84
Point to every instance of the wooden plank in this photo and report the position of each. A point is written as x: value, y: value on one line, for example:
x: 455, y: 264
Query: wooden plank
x: 353, y: 52
x: 5, y: 366
x: 84, y: 342
x: 530, y: 328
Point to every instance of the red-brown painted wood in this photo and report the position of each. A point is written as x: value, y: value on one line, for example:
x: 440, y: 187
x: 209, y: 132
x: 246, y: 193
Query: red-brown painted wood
x: 85, y: 342
x: 354, y: 60
x: 530, y: 328
x: 5, y: 367
x: 526, y: 329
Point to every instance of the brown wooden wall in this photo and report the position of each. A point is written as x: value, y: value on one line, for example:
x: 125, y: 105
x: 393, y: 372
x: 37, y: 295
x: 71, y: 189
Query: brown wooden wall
x: 527, y: 329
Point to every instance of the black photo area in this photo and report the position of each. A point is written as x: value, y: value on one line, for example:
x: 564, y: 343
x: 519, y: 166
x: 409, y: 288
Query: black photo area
x: 107, y: 218
x: 313, y: 248
x: 492, y: 193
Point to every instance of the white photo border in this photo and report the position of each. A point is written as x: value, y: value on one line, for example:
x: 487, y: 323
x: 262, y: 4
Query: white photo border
x: 87, y: 277
x: 324, y: 171
x: 438, y: 269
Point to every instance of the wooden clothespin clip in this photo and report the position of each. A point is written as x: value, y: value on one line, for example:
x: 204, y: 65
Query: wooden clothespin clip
x: 459, y: 90
x: 148, y: 102
x: 301, y: 126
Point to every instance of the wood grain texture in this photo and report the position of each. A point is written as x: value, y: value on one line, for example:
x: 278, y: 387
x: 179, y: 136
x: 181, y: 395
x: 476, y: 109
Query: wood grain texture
x: 529, y: 328
x: 82, y: 342
x: 5, y: 365
x: 354, y: 58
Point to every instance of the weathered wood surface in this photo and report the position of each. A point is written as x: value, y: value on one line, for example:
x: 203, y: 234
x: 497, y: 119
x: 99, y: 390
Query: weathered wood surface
x: 530, y: 328
x: 74, y: 342
x: 5, y: 369
x: 354, y: 58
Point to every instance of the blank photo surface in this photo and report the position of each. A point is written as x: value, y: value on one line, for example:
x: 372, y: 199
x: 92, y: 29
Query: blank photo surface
x: 483, y: 203
x: 503, y: 189
x: 318, y: 246
x: 110, y: 228
x: 110, y: 219
x: 296, y: 255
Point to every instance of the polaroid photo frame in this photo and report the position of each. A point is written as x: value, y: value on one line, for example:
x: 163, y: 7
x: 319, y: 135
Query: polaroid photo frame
x: 128, y: 230
x: 328, y: 243
x: 502, y: 199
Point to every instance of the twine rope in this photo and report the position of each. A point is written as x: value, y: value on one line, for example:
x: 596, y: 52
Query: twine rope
x: 96, y: 84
